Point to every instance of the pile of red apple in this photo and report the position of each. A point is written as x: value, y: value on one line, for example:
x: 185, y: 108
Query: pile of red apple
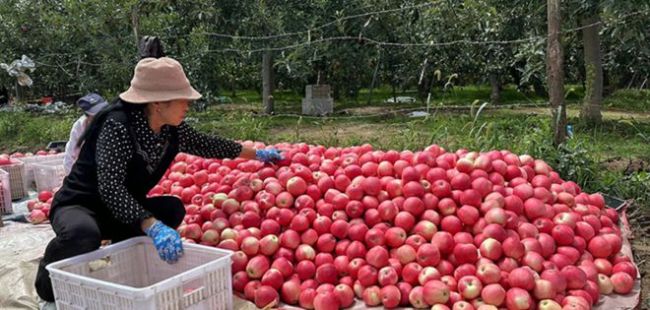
x: 39, y: 208
x: 428, y: 229
x: 8, y: 159
x: 5, y: 159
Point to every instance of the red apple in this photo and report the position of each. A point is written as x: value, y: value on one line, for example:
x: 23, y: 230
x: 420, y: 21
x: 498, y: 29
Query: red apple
x: 387, y: 276
x: 493, y: 294
x: 305, y: 270
x: 377, y: 256
x: 367, y: 275
x: 326, y: 273
x: 627, y: 267
x: 575, y: 277
x: 290, y: 292
x: 326, y: 301
x: 600, y: 247
x: 372, y: 296
x: 395, y: 236
x: 469, y: 287
x: 273, y: 278
x: 544, y: 289
x: 284, y: 266
x: 428, y: 255
x: 465, y: 253
x: 239, y: 281
x: 435, y: 292
x: 306, y: 299
x: 491, y: 248
x: 605, y: 285
x: 257, y: 266
x: 266, y: 296
x: 416, y: 297
x: 518, y: 299
x: 488, y: 273
x: 344, y: 294
x: 548, y: 304
x: 623, y: 283
x: 603, y: 266
x: 391, y: 296
x: 522, y: 278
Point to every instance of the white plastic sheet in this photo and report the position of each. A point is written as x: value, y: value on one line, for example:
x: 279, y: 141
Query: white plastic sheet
x: 21, y: 248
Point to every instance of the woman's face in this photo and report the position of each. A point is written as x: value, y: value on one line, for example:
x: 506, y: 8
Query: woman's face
x: 173, y: 112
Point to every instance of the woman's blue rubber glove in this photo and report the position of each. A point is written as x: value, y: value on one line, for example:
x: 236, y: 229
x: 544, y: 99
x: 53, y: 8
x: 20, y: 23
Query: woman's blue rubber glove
x: 268, y: 155
x: 166, y: 240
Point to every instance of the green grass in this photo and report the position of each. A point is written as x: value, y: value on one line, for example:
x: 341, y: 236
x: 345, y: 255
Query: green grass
x: 491, y: 130
x: 27, y: 132
x: 622, y: 138
x: 629, y: 100
x: 287, y: 101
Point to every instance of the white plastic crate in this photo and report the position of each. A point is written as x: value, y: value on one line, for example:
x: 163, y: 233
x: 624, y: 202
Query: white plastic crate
x: 131, y: 275
x: 16, y: 172
x: 30, y: 161
x: 5, y: 193
x: 48, y: 175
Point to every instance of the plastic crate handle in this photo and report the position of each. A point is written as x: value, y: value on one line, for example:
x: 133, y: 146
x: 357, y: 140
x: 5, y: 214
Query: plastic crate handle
x: 192, y: 295
x: 60, y: 303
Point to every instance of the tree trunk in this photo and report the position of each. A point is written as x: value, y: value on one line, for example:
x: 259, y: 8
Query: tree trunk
x: 538, y: 86
x: 374, y: 77
x: 135, y: 23
x: 607, y: 84
x: 19, y: 95
x: 593, y: 72
x: 515, y: 74
x: 495, y: 95
x: 555, y: 73
x: 272, y: 77
x: 267, y: 97
x: 4, y: 95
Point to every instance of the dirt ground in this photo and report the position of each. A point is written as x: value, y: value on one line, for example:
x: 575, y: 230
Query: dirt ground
x: 640, y: 224
x: 573, y: 112
x: 363, y: 132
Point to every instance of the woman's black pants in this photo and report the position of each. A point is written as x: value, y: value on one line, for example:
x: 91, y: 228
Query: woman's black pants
x: 80, y: 230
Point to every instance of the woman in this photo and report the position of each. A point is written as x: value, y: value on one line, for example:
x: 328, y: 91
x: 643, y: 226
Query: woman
x: 90, y: 104
x: 125, y: 152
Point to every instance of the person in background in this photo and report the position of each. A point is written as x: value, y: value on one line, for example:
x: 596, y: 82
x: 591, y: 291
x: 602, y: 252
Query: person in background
x: 125, y: 152
x: 150, y: 46
x: 90, y: 104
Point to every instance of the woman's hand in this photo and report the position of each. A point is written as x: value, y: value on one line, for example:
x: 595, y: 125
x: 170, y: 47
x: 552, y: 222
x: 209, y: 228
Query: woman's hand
x: 166, y: 240
x: 268, y: 155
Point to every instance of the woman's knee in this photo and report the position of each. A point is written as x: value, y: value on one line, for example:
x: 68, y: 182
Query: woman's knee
x: 86, y: 235
x: 168, y: 209
x: 76, y: 224
x: 178, y: 212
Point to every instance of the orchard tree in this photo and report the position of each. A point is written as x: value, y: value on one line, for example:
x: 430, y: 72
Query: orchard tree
x: 555, y: 72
